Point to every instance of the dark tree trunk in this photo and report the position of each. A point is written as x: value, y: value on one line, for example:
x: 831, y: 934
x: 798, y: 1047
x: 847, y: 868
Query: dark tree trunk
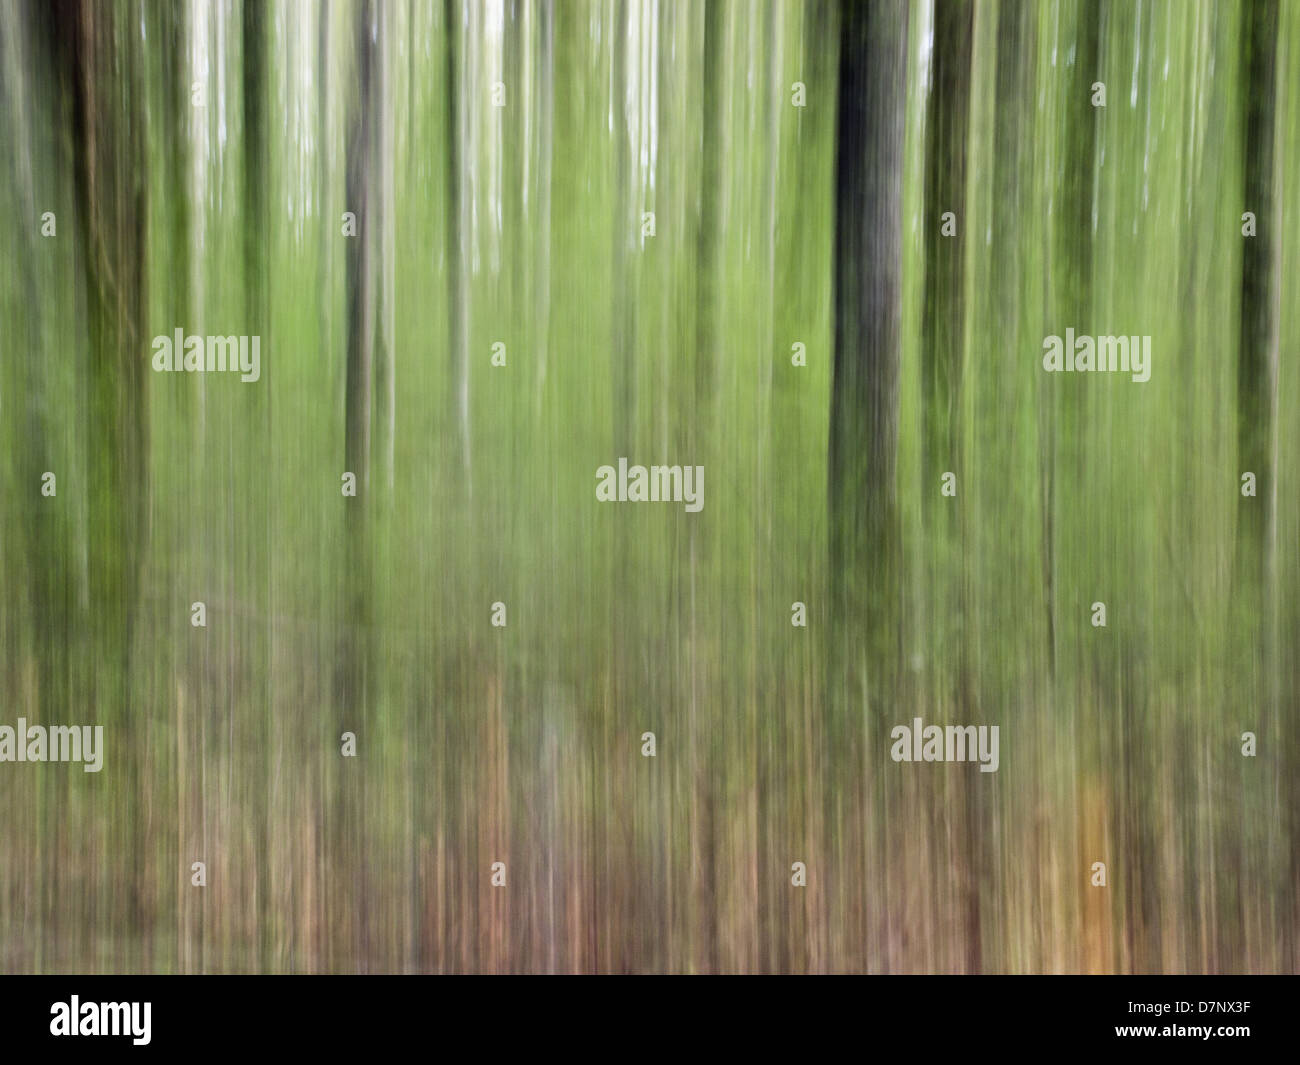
x: 865, y: 640
x: 713, y: 152
x: 1257, y: 363
x: 98, y: 50
x: 1257, y: 411
x: 943, y: 319
x: 256, y: 304
x: 942, y: 354
x: 360, y: 264
x: 456, y: 255
x: 364, y: 261
x: 868, y: 301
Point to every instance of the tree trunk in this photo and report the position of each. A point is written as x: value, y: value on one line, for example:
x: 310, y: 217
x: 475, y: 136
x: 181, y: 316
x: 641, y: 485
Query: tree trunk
x: 868, y: 308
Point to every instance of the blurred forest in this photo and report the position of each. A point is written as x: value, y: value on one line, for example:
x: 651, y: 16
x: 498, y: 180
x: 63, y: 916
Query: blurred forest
x: 501, y: 159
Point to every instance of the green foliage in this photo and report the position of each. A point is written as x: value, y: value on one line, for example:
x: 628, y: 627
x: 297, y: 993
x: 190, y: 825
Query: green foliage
x: 521, y: 744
